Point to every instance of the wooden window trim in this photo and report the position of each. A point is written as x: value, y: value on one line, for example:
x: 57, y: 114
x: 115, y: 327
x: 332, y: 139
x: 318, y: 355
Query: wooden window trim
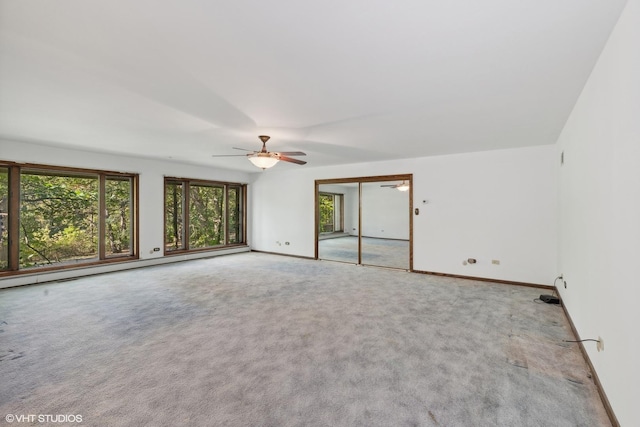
x: 186, y: 184
x: 17, y: 169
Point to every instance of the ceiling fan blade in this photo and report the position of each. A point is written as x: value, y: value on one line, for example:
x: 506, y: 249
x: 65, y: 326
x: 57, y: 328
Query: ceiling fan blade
x: 243, y: 149
x: 291, y: 153
x: 290, y: 160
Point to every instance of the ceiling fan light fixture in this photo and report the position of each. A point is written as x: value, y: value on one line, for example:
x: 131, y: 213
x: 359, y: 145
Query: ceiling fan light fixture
x: 403, y: 187
x: 263, y: 160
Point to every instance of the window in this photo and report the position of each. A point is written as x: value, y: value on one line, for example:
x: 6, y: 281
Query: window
x: 206, y: 220
x: 65, y: 217
x: 118, y: 216
x: 330, y: 208
x: 211, y: 214
x: 236, y: 215
x: 58, y: 219
x: 173, y: 206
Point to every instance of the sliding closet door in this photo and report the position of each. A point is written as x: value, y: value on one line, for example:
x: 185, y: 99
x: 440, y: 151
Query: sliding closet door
x: 385, y: 229
x: 337, y: 231
x: 365, y: 220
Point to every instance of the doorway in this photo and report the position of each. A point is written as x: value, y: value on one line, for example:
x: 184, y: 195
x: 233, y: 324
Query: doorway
x: 365, y: 221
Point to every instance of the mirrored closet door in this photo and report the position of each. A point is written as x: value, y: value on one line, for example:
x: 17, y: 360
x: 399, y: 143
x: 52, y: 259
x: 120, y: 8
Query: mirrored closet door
x: 365, y: 221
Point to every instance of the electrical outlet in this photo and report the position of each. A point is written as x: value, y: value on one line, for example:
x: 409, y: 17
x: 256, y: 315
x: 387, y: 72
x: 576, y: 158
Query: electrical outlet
x: 600, y: 344
x: 495, y: 261
x: 561, y: 277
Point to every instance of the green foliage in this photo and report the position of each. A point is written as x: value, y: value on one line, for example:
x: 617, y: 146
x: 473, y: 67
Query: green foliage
x: 235, y: 224
x: 118, y: 216
x: 60, y: 222
x: 206, y: 216
x: 326, y: 210
x: 173, y: 216
x: 58, y: 219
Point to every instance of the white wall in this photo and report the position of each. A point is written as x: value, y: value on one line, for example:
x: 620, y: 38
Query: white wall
x: 600, y: 215
x: 497, y: 205
x: 152, y: 173
x: 488, y: 205
x: 385, y: 212
x: 351, y: 209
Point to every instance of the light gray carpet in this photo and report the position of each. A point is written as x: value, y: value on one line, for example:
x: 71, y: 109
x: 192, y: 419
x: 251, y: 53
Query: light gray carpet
x: 379, y: 252
x: 263, y: 340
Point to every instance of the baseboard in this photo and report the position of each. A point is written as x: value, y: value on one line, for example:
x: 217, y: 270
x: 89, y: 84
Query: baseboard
x: 482, y: 279
x: 385, y: 238
x: 36, y: 277
x: 485, y: 279
x: 594, y: 374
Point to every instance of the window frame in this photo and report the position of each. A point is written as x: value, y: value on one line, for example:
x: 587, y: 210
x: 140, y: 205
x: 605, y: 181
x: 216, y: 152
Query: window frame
x: 181, y: 204
x: 4, y: 221
x: 185, y: 202
x: 15, y: 172
x: 241, y: 201
x: 336, y: 213
x: 132, y: 216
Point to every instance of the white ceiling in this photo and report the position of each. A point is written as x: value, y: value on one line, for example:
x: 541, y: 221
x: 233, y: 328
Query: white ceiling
x: 343, y: 80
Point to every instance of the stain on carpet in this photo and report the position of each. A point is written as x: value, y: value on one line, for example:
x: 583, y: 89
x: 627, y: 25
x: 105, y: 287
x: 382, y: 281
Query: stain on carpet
x: 433, y: 417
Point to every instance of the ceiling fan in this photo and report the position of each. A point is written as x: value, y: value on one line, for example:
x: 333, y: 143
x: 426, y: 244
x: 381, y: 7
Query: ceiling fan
x: 404, y: 186
x: 265, y: 159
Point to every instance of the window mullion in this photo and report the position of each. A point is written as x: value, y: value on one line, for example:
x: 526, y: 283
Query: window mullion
x: 14, y: 218
x: 225, y: 215
x: 185, y: 214
x: 102, y: 220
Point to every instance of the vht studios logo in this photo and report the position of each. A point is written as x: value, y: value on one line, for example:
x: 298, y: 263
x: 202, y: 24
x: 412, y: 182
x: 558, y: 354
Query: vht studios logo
x: 43, y: 418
